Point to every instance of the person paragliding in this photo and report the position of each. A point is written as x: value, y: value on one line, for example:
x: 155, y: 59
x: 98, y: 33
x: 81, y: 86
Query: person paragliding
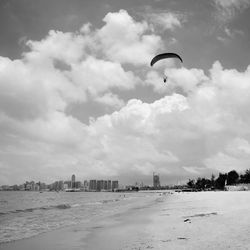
x: 164, y: 56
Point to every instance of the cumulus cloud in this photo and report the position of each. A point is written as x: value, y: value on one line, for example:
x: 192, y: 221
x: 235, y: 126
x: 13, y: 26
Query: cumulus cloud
x: 65, y: 68
x: 185, y: 79
x: 60, y: 70
x: 204, y: 128
x: 126, y: 41
x: 203, y: 132
x: 217, y: 115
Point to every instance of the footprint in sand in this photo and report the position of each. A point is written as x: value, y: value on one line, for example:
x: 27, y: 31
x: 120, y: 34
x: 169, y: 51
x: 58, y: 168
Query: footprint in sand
x: 198, y: 215
x: 165, y: 240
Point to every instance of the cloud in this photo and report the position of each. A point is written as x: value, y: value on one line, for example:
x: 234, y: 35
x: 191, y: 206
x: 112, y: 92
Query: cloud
x: 97, y: 76
x: 217, y: 114
x: 239, y: 147
x: 166, y: 20
x: 73, y: 47
x: 125, y: 136
x: 237, y: 4
x: 225, y: 163
x: 61, y: 69
x: 126, y: 41
x: 193, y: 170
x: 110, y: 100
x: 204, y: 128
x: 203, y: 132
x: 227, y: 9
x: 186, y: 79
x: 230, y: 34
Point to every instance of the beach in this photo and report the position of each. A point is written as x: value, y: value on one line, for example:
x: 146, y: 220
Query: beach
x: 197, y: 220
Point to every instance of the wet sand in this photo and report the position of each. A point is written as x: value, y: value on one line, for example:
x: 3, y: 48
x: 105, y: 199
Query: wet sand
x: 204, y: 220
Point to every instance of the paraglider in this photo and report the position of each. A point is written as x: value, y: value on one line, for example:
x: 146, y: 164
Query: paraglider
x: 164, y: 56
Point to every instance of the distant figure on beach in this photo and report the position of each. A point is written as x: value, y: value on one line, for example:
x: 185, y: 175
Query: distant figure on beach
x: 165, y: 79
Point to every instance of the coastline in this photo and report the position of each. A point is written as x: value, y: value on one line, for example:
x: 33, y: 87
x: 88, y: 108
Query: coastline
x: 203, y: 220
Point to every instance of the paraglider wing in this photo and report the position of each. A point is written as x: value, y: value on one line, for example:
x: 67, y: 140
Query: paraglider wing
x: 163, y: 56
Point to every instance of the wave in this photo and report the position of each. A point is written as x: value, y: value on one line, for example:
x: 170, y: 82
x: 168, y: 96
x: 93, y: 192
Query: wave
x: 94, y: 203
x: 101, y: 202
x: 59, y: 206
x: 26, y: 210
x: 108, y: 201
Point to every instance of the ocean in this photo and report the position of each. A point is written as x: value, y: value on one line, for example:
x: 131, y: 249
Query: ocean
x: 26, y: 214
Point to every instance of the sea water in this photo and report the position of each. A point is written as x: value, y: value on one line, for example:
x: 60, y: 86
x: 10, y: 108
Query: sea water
x: 26, y: 214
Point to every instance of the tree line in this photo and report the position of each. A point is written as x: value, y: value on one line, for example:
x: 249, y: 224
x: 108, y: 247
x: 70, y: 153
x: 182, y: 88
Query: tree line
x: 230, y: 178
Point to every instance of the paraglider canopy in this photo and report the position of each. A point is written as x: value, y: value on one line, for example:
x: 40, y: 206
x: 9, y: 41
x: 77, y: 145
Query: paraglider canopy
x: 163, y: 56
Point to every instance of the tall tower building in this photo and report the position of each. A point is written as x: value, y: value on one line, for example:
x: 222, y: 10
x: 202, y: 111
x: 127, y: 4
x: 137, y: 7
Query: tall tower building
x: 73, y: 181
x: 156, y: 180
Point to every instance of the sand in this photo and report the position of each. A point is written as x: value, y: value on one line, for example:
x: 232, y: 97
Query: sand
x: 203, y: 220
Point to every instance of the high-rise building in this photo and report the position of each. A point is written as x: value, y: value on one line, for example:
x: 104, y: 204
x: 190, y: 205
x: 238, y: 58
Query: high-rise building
x: 60, y: 185
x: 156, y: 180
x: 100, y: 185
x: 78, y: 184
x: 86, y: 185
x: 109, y: 185
x: 114, y: 185
x: 67, y: 184
x: 105, y: 185
x: 73, y: 181
x: 92, y: 185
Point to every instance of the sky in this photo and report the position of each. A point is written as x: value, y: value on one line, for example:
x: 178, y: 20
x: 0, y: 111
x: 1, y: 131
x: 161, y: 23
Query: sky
x: 78, y: 95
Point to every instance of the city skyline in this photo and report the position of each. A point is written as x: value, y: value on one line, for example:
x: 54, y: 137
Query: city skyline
x: 78, y: 94
x: 71, y: 182
x: 91, y: 184
x: 65, y: 185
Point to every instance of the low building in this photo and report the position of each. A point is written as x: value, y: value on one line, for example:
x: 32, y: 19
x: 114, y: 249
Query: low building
x: 238, y: 187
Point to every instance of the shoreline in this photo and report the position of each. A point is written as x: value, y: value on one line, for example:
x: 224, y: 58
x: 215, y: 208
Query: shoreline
x: 205, y: 220
x: 64, y: 238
